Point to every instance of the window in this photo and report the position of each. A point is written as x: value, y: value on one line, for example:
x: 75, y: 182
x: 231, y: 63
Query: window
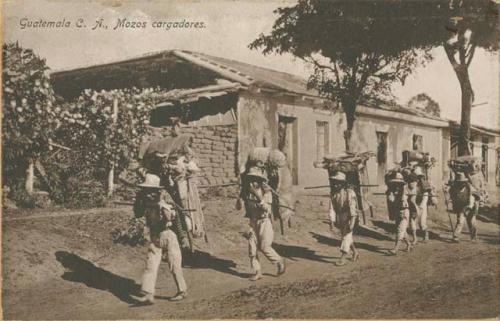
x: 322, y: 139
x: 381, y: 147
x: 418, y: 143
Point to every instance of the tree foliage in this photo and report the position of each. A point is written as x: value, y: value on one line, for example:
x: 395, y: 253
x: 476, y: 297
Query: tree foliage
x: 34, y: 122
x: 425, y: 103
x: 350, y: 45
x: 105, y: 140
x: 360, y: 48
x: 28, y: 114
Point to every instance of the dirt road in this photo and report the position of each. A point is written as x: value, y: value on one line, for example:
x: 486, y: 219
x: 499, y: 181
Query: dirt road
x: 67, y: 267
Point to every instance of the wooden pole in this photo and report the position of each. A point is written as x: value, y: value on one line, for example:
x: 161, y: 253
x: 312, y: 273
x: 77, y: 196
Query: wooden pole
x: 111, y: 174
x: 30, y: 177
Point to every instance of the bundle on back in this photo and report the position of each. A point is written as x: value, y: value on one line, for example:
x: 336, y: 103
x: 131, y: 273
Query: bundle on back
x: 464, y: 164
x: 349, y: 162
x: 413, y: 158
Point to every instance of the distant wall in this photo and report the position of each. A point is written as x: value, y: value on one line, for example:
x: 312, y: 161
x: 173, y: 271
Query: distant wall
x: 257, y: 124
x: 399, y: 138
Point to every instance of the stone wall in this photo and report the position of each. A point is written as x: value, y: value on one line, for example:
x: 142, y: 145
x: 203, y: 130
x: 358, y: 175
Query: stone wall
x: 216, y: 150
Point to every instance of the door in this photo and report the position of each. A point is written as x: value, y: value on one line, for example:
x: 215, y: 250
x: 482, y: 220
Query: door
x: 381, y: 156
x: 288, y: 143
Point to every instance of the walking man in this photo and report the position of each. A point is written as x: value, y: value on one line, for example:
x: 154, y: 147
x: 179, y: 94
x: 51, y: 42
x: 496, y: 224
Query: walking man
x: 344, y: 211
x: 420, y: 190
x: 159, y: 219
x: 464, y: 205
x: 397, y: 201
x: 258, y: 200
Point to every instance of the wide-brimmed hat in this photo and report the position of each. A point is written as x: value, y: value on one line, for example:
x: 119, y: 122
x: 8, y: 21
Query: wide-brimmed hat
x: 461, y: 178
x: 151, y: 181
x: 398, y: 179
x: 256, y: 173
x: 339, y: 176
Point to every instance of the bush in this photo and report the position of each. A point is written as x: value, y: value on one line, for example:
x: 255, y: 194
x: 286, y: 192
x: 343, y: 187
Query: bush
x: 19, y: 195
x: 84, y: 193
x: 132, y: 234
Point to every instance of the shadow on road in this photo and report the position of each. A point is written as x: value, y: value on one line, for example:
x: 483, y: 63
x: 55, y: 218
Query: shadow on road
x: 83, y: 271
x: 390, y: 227
x: 294, y: 252
x: 491, y: 212
x: 336, y: 243
x: 203, y: 260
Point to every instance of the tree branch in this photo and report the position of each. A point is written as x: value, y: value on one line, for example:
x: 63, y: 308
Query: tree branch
x: 337, y: 74
x: 470, y: 54
x: 450, y: 52
x: 318, y: 65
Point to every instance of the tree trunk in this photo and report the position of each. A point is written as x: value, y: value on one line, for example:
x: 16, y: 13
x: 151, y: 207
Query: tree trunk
x: 467, y: 99
x: 461, y: 68
x: 111, y: 173
x: 111, y: 181
x: 30, y: 177
x: 349, y: 116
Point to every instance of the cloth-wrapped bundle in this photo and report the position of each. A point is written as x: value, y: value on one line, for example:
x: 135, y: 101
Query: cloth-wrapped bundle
x: 277, y: 159
x: 258, y: 156
x: 153, y: 153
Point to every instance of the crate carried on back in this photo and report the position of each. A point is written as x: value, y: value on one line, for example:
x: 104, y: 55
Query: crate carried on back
x: 410, y: 161
x: 353, y: 165
x: 471, y: 167
x: 464, y: 164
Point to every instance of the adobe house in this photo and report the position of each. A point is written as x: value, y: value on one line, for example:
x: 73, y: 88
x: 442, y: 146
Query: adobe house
x: 230, y: 107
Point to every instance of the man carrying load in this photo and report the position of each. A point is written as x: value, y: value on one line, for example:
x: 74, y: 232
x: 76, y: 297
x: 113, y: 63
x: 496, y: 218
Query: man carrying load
x: 160, y: 217
x: 344, y: 211
x: 421, y: 192
x: 257, y: 197
x: 397, y: 201
x: 464, y: 205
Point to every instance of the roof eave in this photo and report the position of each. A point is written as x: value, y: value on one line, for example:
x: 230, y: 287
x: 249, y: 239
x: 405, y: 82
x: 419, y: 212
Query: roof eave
x: 399, y: 116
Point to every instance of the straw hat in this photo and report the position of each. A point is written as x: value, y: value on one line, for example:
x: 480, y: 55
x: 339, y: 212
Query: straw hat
x: 398, y: 179
x: 339, y: 176
x: 151, y: 181
x: 255, y: 172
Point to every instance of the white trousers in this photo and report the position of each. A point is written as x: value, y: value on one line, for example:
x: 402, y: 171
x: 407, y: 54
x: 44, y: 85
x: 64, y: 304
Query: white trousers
x: 174, y: 258
x: 261, y: 239
x: 420, y: 219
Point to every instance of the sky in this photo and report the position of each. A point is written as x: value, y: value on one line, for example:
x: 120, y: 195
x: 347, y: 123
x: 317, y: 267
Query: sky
x: 229, y: 26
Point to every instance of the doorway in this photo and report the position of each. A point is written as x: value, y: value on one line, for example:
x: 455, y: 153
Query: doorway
x: 381, y: 157
x: 288, y: 143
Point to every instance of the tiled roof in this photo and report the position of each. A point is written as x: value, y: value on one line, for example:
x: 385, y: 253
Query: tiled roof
x: 251, y: 74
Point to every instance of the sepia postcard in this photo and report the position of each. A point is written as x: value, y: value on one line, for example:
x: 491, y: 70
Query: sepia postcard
x: 284, y: 159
